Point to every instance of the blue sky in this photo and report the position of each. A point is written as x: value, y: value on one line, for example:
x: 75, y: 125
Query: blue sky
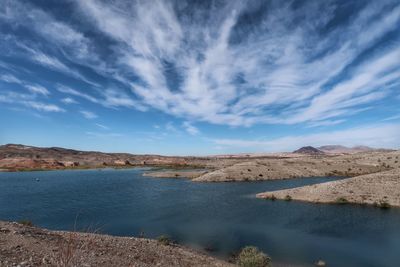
x: 199, y: 77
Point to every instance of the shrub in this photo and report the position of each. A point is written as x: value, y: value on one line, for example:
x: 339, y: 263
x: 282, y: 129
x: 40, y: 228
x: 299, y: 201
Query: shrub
x: 271, y: 197
x: 165, y: 240
x: 252, y: 257
x: 341, y: 201
x: 288, y: 198
x: 26, y: 222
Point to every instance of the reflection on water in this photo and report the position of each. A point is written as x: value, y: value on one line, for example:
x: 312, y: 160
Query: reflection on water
x: 218, y: 217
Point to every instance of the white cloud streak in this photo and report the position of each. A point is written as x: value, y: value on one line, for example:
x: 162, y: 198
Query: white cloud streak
x: 28, y: 101
x: 88, y: 114
x: 69, y: 100
x: 190, y: 129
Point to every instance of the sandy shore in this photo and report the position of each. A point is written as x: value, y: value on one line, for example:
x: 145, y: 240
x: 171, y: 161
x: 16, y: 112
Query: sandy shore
x: 176, y: 174
x: 30, y: 246
x: 380, y: 189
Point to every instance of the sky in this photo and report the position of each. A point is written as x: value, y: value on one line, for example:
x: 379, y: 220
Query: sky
x: 199, y: 77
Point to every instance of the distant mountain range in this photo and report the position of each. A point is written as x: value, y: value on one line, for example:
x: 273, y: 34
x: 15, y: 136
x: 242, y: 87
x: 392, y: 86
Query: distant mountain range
x: 21, y: 156
x: 336, y: 149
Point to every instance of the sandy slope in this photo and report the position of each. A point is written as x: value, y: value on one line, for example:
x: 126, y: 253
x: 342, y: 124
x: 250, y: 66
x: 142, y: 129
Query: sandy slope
x: 375, y: 188
x: 31, y: 246
x: 304, y: 166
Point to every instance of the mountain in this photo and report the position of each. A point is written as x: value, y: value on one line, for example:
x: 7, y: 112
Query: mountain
x: 334, y: 149
x: 15, y: 156
x: 309, y: 150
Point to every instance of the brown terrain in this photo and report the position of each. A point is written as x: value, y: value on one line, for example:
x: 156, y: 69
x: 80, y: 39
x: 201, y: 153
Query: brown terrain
x: 374, y: 173
x: 22, y: 245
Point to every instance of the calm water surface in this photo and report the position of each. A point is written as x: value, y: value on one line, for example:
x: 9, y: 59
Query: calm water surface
x: 222, y: 217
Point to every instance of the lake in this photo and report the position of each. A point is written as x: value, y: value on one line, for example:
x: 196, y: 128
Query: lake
x: 217, y: 217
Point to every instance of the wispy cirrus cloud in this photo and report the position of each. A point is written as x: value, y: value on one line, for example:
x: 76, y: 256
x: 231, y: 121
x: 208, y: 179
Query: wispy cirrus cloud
x: 69, y: 100
x: 279, y: 70
x: 225, y: 63
x: 88, y: 114
x: 38, y: 89
x: 28, y: 100
x: 190, y: 129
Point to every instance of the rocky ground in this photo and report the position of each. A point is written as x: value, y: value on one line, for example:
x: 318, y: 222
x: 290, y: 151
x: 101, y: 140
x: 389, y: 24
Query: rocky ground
x: 293, y: 166
x: 22, y: 245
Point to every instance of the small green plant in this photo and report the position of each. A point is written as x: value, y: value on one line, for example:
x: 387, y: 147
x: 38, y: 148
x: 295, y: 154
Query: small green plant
x: 165, y: 240
x: 252, y: 257
x: 271, y: 197
x: 288, y: 198
x: 341, y: 201
x: 26, y: 222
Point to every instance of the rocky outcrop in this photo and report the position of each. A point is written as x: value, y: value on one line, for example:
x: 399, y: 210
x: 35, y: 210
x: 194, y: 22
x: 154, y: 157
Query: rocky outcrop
x: 309, y: 150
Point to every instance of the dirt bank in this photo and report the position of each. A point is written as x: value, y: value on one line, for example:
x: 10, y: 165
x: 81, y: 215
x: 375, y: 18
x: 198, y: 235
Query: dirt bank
x: 30, y: 246
x: 175, y: 174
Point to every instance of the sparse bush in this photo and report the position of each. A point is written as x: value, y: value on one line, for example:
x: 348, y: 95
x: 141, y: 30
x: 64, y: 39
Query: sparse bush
x: 271, y: 197
x: 288, y: 198
x: 252, y: 257
x: 260, y: 175
x: 341, y: 201
x: 71, y: 250
x: 26, y: 222
x: 165, y: 240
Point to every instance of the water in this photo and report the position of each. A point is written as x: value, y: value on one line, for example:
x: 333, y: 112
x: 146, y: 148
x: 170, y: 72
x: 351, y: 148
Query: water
x: 219, y: 217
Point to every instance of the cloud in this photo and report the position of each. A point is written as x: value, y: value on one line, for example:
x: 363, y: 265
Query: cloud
x: 394, y: 117
x: 33, y: 88
x: 378, y: 135
x: 10, y: 79
x: 104, y: 135
x: 325, y: 123
x: 189, y: 128
x: 43, y: 107
x: 279, y: 70
x: 67, y: 90
x: 29, y: 101
x: 37, y: 89
x: 69, y: 100
x: 102, y: 126
x: 88, y: 114
x: 227, y: 63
